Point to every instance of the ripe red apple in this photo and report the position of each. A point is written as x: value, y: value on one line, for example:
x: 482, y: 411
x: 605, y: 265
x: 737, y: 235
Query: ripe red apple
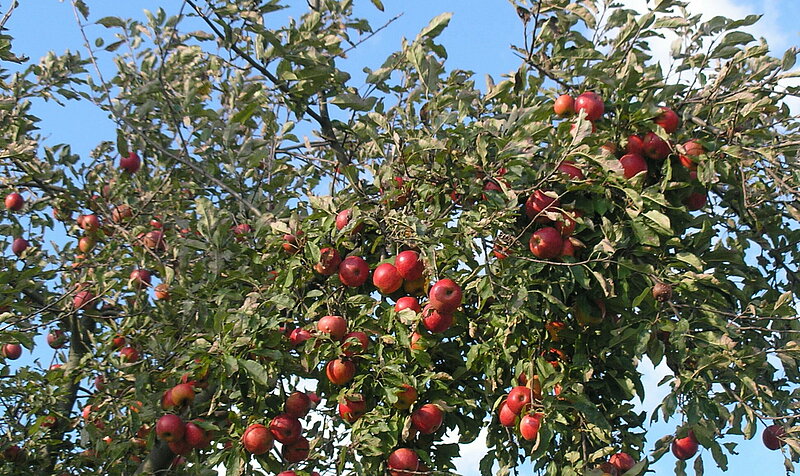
x: 162, y: 292
x: 386, y: 278
x: 635, y: 145
x: 297, y: 404
x: 131, y: 163
x: 403, y: 459
x: 554, y: 328
x: 121, y: 213
x: 343, y: 219
x: 695, y: 201
x: 427, y: 418
x: 564, y: 106
x: 507, y: 417
x: 406, y: 396
x: 668, y: 120
x: 692, y: 150
x: 355, y: 343
x: 86, y: 244
x: 296, y: 452
x: 622, y: 461
x: 257, y: 439
x: 445, y: 296
x: 329, y: 261
x: 14, y: 202
x: 12, y: 351
x: 539, y: 204
x: 352, y: 408
x: 100, y: 383
x: 501, y: 251
x: 568, y: 167
x: 529, y: 425
x: 182, y: 394
x: 290, y: 243
x: 129, y: 354
x: 118, y: 342
x: 409, y: 265
x: 89, y: 222
x: 154, y: 240
x: 566, y: 223
x: 334, y: 326
x: 285, y: 428
x: 655, y: 147
x: 436, y: 321
x: 414, y: 341
x: 546, y: 243
x: 13, y: 454
x: 518, y: 398
x: 407, y: 302
x: 140, y: 278
x: 170, y: 428
x: 633, y: 165
x: 592, y: 104
x: 19, y: 245
x: 56, y: 339
x: 82, y: 298
x: 298, y: 336
x: 353, y: 271
x: 340, y: 371
x: 685, y: 448
x: 241, y: 230
x: 773, y: 437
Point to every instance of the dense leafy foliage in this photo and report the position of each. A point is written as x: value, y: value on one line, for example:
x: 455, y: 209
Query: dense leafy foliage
x: 230, y: 207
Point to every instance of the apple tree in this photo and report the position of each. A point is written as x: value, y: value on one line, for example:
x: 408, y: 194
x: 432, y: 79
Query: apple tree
x: 274, y: 268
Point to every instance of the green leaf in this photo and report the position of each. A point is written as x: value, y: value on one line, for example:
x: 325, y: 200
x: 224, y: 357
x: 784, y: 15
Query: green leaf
x: 690, y: 259
x: 378, y: 4
x: 434, y: 28
x: 110, y: 22
x: 660, y: 222
x: 256, y: 371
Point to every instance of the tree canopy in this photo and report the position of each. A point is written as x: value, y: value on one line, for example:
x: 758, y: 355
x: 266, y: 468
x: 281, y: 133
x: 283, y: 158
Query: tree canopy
x: 266, y: 242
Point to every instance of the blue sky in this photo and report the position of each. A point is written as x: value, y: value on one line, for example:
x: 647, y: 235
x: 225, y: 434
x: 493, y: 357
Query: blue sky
x: 477, y: 39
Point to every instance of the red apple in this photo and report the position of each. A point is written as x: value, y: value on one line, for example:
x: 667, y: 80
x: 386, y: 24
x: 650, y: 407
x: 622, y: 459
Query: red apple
x: 343, y: 219
x: 89, y: 222
x: 386, y: 278
x: 121, y: 213
x: 154, y: 240
x: 773, y: 437
x: 297, y: 404
x: 241, y: 230
x: 655, y: 147
x: 506, y: 416
x: 12, y: 351
x: 546, y: 243
x: 56, y: 339
x: 566, y: 223
x: 592, y: 104
x: 539, y: 204
x: 622, y: 461
x: 170, y: 428
x: 567, y: 167
x: 635, y: 145
x: 692, y: 150
x: 100, y: 383
x: 668, y: 120
x: 340, y: 371
x: 564, y: 106
x: 19, y: 245
x: 403, y: 459
x: 414, y: 341
x: 14, y: 202
x: 406, y: 396
x: 182, y: 394
x: 633, y: 165
x: 518, y: 398
x: 355, y: 343
x: 427, y: 418
x: 329, y: 261
x: 407, y: 302
x: 685, y: 448
x: 436, y: 321
x: 409, y: 265
x: 529, y: 425
x: 285, y: 428
x: 131, y: 163
x: 695, y: 201
x: 298, y: 336
x: 334, y: 326
x: 140, y: 278
x: 445, y: 296
x: 352, y: 408
x: 82, y: 298
x: 257, y: 439
x: 290, y: 243
x: 353, y: 271
x: 86, y: 244
x: 118, y: 342
x: 295, y: 452
x: 129, y: 354
x: 162, y: 292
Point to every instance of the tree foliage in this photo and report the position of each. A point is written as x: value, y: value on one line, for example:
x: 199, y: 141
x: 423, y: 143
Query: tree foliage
x: 692, y: 262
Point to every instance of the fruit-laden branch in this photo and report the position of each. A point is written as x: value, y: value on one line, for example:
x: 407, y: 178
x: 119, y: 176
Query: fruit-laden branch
x: 322, y: 119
